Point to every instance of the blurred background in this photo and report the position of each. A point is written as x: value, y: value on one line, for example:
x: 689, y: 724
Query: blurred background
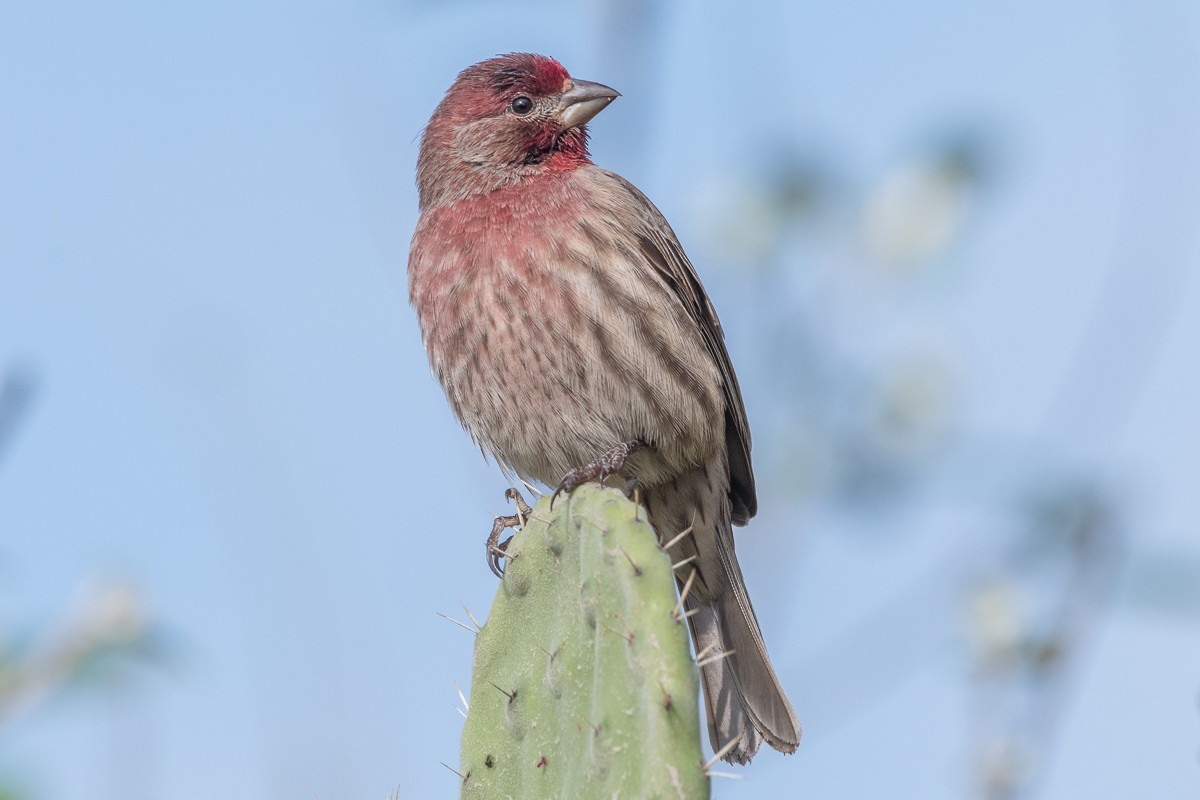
x: 954, y: 247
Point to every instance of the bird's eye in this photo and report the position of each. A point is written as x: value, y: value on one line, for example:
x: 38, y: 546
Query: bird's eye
x: 521, y: 105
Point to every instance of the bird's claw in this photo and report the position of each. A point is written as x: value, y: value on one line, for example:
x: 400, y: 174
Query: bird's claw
x: 523, y: 509
x: 611, y: 462
x: 497, y: 551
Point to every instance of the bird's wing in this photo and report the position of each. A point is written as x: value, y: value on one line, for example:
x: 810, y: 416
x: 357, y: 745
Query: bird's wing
x: 662, y: 249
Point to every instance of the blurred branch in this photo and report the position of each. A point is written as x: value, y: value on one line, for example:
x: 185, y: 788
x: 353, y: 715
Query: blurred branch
x: 17, y: 389
x: 107, y: 620
x: 632, y: 29
x: 1030, y: 628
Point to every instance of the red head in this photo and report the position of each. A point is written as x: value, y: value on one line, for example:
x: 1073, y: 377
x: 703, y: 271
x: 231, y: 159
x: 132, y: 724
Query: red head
x: 502, y: 120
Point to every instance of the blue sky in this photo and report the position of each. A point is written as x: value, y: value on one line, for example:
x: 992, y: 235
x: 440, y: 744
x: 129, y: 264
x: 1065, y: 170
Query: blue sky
x: 204, y: 226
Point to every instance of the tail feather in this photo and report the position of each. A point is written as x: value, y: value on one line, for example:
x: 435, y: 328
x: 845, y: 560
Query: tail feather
x: 741, y: 690
x: 742, y: 694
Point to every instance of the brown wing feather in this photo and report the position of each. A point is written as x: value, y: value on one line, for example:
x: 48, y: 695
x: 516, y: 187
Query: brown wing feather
x: 662, y: 249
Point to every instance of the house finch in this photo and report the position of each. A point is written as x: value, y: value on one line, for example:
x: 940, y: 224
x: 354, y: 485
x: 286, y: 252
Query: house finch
x: 575, y: 342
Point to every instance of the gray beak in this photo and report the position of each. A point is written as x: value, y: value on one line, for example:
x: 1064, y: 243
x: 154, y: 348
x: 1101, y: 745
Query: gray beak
x: 584, y: 101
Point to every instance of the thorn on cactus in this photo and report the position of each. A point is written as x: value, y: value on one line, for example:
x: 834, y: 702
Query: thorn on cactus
x: 677, y: 613
x: 680, y: 535
x: 637, y: 571
x: 456, y: 772
x: 684, y: 562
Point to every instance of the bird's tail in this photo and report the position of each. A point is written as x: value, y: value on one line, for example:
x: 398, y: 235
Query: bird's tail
x: 743, y: 697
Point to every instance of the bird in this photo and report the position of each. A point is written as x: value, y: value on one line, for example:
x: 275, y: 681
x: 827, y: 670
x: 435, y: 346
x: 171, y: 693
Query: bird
x: 575, y: 342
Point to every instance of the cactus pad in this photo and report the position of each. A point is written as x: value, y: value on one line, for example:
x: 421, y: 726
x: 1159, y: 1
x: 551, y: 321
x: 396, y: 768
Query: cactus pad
x: 583, y: 683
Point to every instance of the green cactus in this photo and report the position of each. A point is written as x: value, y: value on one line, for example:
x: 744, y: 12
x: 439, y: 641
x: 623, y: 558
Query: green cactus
x: 583, y: 683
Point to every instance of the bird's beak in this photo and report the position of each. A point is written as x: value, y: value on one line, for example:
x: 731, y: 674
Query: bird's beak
x: 583, y: 101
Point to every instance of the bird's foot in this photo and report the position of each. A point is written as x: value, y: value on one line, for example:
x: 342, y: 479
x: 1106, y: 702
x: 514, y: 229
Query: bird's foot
x: 610, y: 462
x: 497, y: 551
